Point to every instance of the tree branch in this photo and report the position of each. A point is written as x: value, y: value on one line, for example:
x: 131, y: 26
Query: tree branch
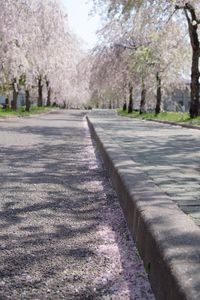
x: 189, y: 7
x: 131, y: 47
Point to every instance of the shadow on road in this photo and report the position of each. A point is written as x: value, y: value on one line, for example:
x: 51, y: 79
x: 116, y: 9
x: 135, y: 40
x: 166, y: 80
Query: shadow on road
x: 54, y: 196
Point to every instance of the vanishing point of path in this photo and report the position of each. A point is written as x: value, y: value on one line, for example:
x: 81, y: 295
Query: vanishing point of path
x: 63, y: 235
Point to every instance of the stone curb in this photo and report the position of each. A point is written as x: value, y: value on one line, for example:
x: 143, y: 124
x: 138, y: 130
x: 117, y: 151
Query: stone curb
x: 168, y: 240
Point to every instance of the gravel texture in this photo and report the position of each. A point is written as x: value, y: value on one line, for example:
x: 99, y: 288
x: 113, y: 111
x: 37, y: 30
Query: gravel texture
x: 63, y: 235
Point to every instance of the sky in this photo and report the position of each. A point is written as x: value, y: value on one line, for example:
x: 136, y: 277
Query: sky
x: 80, y: 23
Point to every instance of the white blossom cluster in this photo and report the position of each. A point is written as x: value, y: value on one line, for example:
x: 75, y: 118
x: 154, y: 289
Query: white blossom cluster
x: 35, y: 42
x: 144, y: 44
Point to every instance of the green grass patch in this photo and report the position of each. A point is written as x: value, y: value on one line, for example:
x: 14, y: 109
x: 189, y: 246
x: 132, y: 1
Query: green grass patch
x: 21, y: 112
x: 176, y: 117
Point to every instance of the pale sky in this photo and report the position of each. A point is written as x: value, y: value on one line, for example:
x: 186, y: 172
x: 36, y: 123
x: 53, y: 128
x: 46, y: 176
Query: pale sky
x: 79, y: 21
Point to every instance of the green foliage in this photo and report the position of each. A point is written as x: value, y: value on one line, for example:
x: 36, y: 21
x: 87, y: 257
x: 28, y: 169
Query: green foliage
x: 127, y: 7
x: 21, y: 112
x: 176, y: 117
x: 141, y: 59
x: 22, y: 80
x: 4, y: 89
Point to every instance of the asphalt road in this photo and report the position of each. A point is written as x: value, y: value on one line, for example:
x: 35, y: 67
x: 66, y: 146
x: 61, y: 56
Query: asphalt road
x: 63, y: 235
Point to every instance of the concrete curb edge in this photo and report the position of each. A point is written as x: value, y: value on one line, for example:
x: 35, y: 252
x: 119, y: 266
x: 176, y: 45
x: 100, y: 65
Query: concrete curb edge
x: 167, y: 240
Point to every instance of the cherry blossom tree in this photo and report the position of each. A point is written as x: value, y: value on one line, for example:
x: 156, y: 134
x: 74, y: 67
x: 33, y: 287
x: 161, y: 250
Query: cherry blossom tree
x: 191, y: 10
x: 156, y: 38
x: 109, y: 75
x: 12, y: 58
x: 37, y: 49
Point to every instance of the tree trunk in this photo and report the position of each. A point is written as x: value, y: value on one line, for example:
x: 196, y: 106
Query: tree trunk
x: 27, y: 101
x: 193, y: 23
x: 40, y: 92
x: 124, y: 106
x: 130, y: 104
x: 7, y: 102
x: 15, y: 95
x: 143, y: 98
x: 48, y: 93
x: 194, y: 106
x: 194, y: 40
x: 158, y: 94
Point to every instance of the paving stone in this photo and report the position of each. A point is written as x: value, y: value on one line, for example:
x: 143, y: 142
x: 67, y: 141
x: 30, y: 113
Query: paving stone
x: 170, y: 155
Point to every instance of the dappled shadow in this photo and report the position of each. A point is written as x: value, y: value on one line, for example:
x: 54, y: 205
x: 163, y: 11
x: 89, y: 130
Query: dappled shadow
x: 168, y: 155
x: 54, y: 194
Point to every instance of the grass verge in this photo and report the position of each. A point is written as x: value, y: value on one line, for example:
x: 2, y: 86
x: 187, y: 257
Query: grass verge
x: 176, y: 117
x: 20, y: 112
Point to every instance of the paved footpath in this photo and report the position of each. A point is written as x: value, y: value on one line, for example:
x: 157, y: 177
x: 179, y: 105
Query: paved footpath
x: 169, y: 155
x: 155, y: 170
x: 63, y: 235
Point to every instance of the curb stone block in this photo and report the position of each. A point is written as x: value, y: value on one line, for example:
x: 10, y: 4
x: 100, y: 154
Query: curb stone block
x: 167, y: 240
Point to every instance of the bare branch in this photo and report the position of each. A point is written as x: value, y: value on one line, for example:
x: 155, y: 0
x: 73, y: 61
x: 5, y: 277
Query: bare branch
x: 188, y: 7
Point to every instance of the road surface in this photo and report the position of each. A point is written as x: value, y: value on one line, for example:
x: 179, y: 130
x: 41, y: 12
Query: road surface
x: 63, y: 235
